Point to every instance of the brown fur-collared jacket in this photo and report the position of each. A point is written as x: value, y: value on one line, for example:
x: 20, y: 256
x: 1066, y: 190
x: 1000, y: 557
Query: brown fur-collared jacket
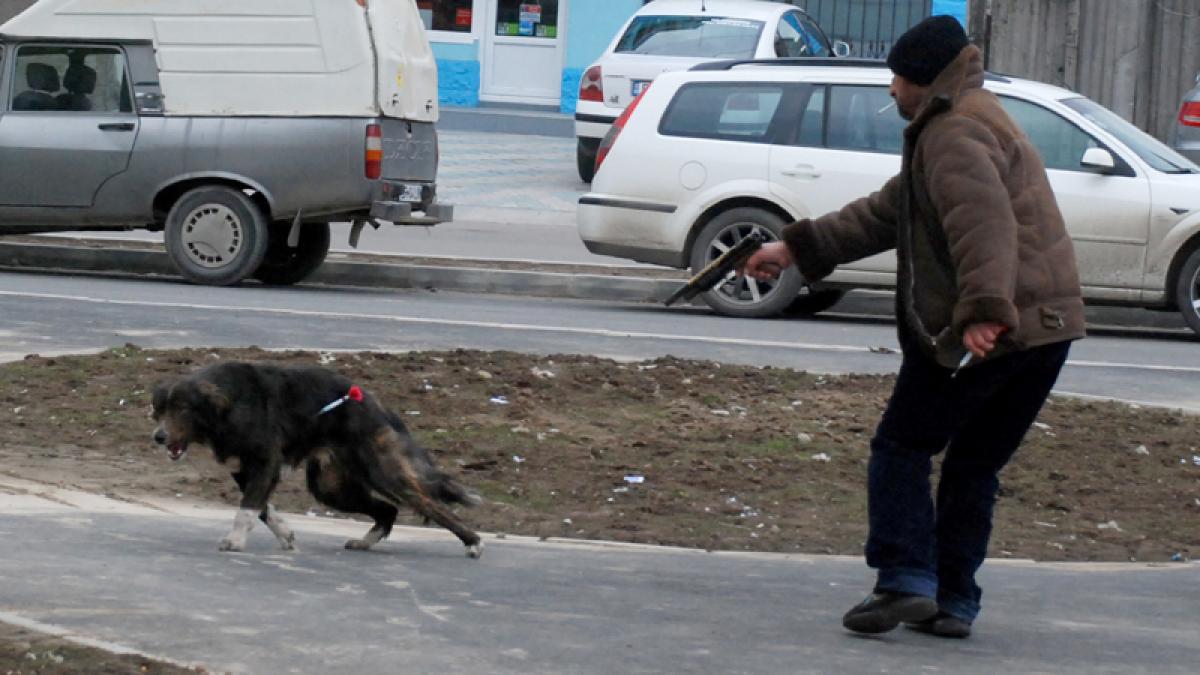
x: 975, y: 225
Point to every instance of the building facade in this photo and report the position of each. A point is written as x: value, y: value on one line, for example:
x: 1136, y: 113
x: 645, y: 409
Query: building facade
x: 534, y: 52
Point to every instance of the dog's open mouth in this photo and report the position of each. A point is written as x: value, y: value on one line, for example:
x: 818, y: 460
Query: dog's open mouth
x: 176, y: 450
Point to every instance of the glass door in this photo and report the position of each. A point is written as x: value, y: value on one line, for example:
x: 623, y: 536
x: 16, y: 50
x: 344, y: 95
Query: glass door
x: 522, y: 51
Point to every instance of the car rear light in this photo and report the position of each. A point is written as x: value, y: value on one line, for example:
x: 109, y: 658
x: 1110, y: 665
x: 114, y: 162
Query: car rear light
x: 610, y: 138
x: 591, y: 87
x: 374, y: 152
x: 1189, y: 114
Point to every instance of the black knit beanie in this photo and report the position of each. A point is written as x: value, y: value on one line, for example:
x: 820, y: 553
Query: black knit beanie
x: 925, y: 50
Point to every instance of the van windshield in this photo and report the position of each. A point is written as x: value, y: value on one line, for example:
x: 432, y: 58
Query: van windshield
x: 1150, y: 149
x: 694, y: 36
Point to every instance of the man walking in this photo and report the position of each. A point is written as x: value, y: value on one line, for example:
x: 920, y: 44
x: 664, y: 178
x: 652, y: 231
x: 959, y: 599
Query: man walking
x: 987, y: 303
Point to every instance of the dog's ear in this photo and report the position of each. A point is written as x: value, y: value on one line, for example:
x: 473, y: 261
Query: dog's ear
x: 213, y: 394
x: 158, y: 399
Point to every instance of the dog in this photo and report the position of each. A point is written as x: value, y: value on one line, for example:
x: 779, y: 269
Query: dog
x: 358, y: 455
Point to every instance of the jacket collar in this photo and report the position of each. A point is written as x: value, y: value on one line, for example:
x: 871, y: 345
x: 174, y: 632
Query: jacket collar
x: 964, y: 73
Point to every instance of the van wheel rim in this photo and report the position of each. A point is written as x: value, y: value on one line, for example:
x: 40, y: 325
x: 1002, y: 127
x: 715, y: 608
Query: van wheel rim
x: 743, y: 290
x: 212, y: 236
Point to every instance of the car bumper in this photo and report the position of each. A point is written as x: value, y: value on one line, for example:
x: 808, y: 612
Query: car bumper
x: 588, y: 125
x: 635, y: 229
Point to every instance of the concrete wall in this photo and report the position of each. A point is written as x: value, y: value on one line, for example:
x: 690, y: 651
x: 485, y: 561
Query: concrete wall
x: 1135, y: 57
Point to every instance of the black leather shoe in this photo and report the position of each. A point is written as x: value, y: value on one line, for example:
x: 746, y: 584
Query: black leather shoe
x: 942, y: 625
x: 882, y: 612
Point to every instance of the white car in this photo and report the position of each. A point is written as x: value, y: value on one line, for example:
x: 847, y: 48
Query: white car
x: 667, y: 35
x: 705, y: 157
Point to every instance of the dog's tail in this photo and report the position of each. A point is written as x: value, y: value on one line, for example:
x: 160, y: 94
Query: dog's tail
x: 449, y: 491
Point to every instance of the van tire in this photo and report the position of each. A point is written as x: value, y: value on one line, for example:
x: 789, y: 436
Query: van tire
x: 585, y: 158
x: 736, y: 298
x: 216, y: 235
x: 283, y: 265
x: 1187, y: 290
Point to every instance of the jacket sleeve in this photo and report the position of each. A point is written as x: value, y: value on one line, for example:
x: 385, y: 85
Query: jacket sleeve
x: 862, y: 228
x: 964, y: 165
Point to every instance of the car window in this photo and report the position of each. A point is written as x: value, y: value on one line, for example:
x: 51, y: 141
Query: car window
x: 61, y: 78
x: 798, y: 37
x: 1150, y: 149
x: 740, y: 112
x: 864, y: 118
x: 1060, y: 143
x: 696, y: 36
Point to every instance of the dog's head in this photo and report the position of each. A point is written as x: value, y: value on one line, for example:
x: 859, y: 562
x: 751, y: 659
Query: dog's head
x: 185, y: 410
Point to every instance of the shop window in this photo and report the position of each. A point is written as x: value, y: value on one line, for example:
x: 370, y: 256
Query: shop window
x: 521, y: 18
x: 449, y: 15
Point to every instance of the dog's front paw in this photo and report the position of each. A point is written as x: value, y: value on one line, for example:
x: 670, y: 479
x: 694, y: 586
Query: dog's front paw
x: 228, y: 544
x: 288, y: 544
x: 358, y: 545
x: 475, y: 550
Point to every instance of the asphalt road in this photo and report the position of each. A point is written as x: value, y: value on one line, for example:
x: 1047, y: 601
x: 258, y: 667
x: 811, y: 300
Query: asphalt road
x: 58, y: 314
x: 149, y: 578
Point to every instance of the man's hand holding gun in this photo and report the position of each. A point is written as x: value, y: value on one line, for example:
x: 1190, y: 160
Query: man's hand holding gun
x: 750, y: 256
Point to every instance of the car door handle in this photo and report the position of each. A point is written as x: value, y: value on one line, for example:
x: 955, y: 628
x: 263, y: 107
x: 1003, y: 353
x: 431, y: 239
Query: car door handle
x: 802, y: 171
x: 117, y: 126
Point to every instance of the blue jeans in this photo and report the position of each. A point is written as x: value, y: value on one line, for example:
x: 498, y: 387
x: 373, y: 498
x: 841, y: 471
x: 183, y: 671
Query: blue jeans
x: 979, y: 417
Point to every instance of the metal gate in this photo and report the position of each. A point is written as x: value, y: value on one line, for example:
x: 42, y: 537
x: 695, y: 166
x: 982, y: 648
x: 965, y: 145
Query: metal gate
x: 869, y: 26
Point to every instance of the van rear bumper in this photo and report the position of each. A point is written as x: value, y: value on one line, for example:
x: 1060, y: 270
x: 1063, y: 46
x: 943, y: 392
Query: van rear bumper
x: 409, y: 203
x: 405, y: 213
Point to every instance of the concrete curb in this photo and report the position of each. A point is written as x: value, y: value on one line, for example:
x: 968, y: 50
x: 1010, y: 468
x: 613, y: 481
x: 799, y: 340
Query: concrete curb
x: 349, y: 273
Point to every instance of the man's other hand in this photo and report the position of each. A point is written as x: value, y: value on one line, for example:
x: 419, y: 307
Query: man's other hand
x: 768, y: 262
x: 980, y: 338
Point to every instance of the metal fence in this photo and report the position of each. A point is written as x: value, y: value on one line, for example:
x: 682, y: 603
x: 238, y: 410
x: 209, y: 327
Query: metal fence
x: 1136, y: 57
x: 869, y: 26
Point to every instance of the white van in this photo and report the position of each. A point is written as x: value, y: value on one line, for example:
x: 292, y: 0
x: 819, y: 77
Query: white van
x: 239, y: 128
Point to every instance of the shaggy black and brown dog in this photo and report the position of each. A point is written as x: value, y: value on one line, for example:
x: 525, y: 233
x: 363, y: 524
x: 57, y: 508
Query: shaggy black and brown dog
x: 359, y: 456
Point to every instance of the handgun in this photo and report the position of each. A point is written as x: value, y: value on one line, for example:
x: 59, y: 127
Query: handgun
x: 715, y: 271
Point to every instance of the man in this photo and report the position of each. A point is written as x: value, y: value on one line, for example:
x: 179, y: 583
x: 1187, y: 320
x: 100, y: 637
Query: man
x: 987, y: 302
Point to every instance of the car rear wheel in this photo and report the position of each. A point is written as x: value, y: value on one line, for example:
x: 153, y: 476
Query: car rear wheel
x: 743, y: 296
x: 585, y: 158
x: 1187, y: 290
x: 216, y: 235
x: 284, y: 265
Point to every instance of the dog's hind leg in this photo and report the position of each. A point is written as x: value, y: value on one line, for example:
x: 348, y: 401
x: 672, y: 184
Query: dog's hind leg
x: 333, y: 486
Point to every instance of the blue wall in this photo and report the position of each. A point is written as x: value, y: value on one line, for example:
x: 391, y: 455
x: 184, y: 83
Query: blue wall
x: 458, y: 73
x: 591, y: 25
x: 955, y: 8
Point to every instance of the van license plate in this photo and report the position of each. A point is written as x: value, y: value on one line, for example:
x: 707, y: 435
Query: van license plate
x: 407, y: 192
x: 638, y: 86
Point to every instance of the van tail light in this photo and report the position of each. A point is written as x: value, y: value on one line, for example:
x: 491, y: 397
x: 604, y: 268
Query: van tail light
x: 610, y: 139
x: 374, y: 152
x: 1189, y: 114
x: 591, y: 87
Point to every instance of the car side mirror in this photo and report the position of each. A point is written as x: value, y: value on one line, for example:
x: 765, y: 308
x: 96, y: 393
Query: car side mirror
x: 1098, y: 160
x: 841, y: 48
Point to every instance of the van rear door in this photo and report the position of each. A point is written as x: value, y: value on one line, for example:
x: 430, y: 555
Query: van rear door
x: 405, y: 69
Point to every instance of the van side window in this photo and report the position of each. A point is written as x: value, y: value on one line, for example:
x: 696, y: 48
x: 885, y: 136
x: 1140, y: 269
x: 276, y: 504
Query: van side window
x: 864, y: 118
x: 1060, y: 143
x: 61, y: 78
x: 737, y: 112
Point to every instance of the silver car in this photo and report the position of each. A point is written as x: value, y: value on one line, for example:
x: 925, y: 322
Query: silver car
x: 1185, y: 135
